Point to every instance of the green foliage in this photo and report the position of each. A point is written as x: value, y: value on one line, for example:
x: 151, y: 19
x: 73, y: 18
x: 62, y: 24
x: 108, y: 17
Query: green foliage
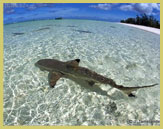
x: 143, y: 20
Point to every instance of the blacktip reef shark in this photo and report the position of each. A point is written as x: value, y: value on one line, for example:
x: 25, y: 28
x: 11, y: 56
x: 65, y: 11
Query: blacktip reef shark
x: 58, y: 69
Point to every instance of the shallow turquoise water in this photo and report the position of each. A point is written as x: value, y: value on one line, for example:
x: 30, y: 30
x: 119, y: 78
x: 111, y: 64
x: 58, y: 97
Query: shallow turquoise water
x: 128, y: 55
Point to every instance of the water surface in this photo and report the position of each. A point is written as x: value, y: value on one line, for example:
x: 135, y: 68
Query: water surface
x: 128, y: 55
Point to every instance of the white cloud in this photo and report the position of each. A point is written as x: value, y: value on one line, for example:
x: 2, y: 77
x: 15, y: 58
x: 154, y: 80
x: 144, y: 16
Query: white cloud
x: 101, y: 6
x: 63, y: 11
x: 9, y: 11
x: 38, y: 5
x: 31, y: 7
x: 105, y: 6
x: 147, y: 8
x: 14, y: 5
x: 126, y: 7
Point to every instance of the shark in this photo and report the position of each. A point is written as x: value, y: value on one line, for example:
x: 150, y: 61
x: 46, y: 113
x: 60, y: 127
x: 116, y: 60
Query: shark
x: 59, y: 69
x: 14, y: 34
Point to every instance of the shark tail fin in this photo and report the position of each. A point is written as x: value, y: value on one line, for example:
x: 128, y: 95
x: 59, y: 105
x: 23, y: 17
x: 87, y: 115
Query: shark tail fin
x: 129, y: 90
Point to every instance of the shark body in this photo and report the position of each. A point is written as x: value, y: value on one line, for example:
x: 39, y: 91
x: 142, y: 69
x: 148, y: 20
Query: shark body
x: 58, y: 69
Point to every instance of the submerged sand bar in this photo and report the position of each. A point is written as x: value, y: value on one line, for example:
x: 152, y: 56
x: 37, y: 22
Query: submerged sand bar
x: 150, y: 29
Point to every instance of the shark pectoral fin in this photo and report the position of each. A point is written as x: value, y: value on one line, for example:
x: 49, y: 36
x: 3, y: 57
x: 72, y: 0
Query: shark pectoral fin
x: 53, y: 77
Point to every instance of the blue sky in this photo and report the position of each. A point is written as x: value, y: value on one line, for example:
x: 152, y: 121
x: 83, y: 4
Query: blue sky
x: 113, y: 12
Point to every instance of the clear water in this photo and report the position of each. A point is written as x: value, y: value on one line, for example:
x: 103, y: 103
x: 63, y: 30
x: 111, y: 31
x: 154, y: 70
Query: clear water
x: 128, y: 55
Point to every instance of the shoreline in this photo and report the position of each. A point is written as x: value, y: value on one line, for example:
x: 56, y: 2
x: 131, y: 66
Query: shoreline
x: 146, y: 28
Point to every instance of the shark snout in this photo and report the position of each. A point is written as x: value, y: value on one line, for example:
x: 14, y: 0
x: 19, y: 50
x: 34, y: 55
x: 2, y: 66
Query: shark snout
x: 36, y: 64
x: 41, y: 64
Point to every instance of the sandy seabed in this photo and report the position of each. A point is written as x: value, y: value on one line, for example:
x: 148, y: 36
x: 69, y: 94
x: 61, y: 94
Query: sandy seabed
x: 128, y: 55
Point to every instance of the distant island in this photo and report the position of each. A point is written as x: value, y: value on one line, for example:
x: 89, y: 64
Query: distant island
x: 143, y: 20
x: 58, y: 18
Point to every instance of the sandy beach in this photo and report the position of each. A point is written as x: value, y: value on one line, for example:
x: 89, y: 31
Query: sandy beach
x: 150, y: 29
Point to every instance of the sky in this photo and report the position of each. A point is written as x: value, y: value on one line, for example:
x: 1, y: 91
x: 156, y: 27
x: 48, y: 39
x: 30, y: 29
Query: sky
x: 113, y: 12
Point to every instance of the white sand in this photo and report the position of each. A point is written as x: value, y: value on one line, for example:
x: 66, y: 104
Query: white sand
x: 150, y: 29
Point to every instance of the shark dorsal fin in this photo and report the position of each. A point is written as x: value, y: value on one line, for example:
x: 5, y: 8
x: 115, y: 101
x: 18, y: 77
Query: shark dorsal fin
x: 73, y: 63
